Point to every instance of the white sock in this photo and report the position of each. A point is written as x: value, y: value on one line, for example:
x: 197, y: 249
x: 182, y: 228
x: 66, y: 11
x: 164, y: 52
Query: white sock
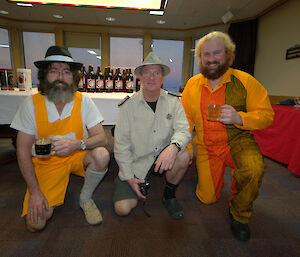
x: 91, y: 181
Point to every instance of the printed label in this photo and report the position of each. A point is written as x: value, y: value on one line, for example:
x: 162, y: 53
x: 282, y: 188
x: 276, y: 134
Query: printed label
x: 99, y: 83
x: 109, y: 84
x: 129, y: 84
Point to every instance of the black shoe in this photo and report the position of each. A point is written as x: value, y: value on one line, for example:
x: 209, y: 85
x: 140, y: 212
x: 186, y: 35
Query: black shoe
x: 174, y: 208
x: 239, y: 230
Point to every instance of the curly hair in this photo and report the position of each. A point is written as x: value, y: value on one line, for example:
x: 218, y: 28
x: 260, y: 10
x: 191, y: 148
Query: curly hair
x: 228, y: 43
x: 42, y: 73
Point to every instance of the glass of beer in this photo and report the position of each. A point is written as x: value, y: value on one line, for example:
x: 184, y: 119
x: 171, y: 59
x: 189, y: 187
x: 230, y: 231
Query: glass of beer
x: 213, y: 112
x: 43, y: 147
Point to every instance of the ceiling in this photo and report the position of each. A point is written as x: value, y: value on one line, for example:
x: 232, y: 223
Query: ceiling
x: 179, y: 15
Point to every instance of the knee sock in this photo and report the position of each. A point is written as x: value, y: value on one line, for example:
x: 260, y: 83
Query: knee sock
x: 91, y: 181
x: 170, y: 190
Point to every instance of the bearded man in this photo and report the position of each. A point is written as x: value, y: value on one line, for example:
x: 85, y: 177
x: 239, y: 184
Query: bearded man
x: 227, y: 141
x: 73, y: 123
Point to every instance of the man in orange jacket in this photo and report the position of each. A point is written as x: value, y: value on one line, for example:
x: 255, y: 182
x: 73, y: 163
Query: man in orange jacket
x: 226, y: 141
x: 66, y: 117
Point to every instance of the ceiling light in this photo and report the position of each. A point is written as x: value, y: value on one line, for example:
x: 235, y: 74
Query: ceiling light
x: 92, y: 52
x: 141, y: 4
x: 24, y: 4
x: 6, y: 46
x: 160, y: 22
x: 171, y: 60
x: 3, y: 12
x: 110, y: 19
x: 99, y: 57
x: 156, y: 12
x: 58, y: 16
x: 227, y: 17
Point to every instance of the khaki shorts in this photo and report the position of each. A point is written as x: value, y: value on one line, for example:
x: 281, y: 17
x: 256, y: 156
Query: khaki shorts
x: 123, y: 191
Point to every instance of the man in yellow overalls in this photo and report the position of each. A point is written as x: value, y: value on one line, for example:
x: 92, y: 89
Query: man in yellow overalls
x: 73, y: 123
x: 245, y: 106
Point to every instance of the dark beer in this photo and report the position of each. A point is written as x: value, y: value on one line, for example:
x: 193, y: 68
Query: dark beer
x: 91, y: 80
x: 99, y: 81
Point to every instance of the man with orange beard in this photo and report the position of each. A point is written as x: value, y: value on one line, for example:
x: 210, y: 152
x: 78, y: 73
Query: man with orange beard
x: 73, y: 123
x: 226, y: 141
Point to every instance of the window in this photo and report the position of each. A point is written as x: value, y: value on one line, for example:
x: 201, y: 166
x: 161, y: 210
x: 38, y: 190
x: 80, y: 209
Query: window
x: 171, y: 53
x: 35, y: 47
x: 87, y: 56
x: 5, y: 61
x: 126, y: 52
x: 196, y: 69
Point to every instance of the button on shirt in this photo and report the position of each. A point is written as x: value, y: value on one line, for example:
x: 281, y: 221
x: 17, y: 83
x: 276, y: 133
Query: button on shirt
x: 141, y: 134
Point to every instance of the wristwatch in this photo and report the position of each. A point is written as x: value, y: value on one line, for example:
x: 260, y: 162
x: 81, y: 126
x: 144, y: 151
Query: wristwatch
x: 82, y: 145
x: 177, y: 145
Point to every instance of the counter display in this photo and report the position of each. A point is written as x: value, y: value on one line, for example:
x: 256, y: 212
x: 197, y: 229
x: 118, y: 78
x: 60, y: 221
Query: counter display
x: 107, y: 103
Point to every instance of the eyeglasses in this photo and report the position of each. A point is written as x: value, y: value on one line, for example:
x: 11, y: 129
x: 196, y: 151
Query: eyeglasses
x: 56, y: 73
x: 155, y: 74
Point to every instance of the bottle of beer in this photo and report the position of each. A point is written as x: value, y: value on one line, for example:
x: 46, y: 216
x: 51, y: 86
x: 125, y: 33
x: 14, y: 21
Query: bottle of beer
x: 91, y: 80
x: 99, y: 81
x: 118, y: 81
x: 82, y: 83
x: 109, y: 83
x: 137, y: 84
x: 129, y: 82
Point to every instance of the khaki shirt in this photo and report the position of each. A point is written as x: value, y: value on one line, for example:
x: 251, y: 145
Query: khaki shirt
x: 141, y: 134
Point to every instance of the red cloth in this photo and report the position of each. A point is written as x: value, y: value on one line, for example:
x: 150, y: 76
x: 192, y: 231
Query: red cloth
x: 281, y: 141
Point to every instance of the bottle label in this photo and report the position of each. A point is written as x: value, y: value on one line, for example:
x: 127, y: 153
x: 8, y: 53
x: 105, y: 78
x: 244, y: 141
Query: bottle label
x: 99, y: 83
x: 109, y: 84
x: 119, y: 84
x: 129, y: 84
x: 80, y: 85
x: 91, y: 83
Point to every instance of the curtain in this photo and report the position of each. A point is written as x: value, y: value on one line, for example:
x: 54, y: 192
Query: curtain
x: 244, y: 35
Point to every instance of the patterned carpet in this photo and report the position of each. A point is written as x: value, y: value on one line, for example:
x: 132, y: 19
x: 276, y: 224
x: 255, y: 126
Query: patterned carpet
x: 204, y: 231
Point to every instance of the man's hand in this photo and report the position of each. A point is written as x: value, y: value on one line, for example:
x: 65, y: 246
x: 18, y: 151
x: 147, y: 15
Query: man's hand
x: 64, y: 146
x: 166, y: 159
x: 36, y: 202
x: 229, y: 115
x: 134, y: 183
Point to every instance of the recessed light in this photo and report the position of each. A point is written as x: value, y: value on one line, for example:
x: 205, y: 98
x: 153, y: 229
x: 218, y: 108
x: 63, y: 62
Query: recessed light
x: 160, y: 22
x: 92, y: 52
x: 171, y: 60
x: 58, y: 16
x: 6, y: 46
x: 99, y: 57
x: 25, y: 5
x: 156, y: 12
x: 110, y: 19
x: 3, y: 12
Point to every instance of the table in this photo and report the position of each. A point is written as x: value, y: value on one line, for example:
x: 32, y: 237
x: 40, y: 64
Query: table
x: 107, y: 103
x: 281, y: 141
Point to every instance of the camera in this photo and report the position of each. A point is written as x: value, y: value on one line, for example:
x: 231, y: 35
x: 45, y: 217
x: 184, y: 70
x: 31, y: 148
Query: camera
x: 144, y: 188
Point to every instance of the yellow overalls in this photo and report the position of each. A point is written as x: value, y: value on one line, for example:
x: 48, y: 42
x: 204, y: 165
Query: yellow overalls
x: 53, y: 173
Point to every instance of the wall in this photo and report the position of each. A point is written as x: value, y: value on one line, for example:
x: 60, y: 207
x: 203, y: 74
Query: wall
x: 277, y: 31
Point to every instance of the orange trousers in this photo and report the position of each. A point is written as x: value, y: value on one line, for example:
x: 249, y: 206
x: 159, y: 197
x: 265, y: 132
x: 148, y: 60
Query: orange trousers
x: 244, y: 157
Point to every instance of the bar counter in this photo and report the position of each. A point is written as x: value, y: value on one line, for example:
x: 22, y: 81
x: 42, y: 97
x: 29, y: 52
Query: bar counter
x: 107, y: 104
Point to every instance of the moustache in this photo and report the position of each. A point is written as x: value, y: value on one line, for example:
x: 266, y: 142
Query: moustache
x: 215, y: 62
x: 56, y: 82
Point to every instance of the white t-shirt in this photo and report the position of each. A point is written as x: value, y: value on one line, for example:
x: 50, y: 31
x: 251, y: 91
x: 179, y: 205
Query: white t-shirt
x: 24, y: 119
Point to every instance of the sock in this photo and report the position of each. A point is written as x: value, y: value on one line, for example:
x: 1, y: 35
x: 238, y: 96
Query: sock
x: 91, y: 181
x: 170, y: 190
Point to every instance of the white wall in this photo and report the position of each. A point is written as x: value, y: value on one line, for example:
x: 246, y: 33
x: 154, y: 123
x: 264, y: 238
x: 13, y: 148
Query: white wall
x: 278, y: 31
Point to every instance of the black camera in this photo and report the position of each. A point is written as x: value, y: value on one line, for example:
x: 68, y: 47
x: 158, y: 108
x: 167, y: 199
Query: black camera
x: 144, y: 188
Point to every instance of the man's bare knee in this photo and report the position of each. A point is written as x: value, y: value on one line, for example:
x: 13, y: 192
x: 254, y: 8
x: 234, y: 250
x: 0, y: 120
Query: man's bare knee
x: 40, y: 225
x: 124, y: 207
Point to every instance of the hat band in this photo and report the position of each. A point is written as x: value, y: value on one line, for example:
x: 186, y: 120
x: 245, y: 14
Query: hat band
x: 59, y: 58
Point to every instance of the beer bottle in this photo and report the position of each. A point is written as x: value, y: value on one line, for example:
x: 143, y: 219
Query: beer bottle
x: 129, y: 82
x: 109, y: 83
x: 82, y: 83
x: 137, y: 84
x: 99, y: 80
x: 118, y: 81
x: 91, y: 80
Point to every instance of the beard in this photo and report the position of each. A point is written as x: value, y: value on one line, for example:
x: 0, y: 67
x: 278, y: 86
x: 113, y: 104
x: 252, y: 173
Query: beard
x: 63, y: 93
x: 214, y: 73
